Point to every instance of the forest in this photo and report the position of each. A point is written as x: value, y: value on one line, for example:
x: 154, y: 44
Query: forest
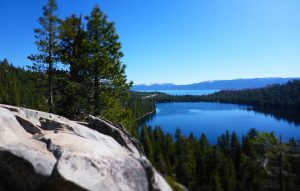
x: 259, y: 162
x: 27, y: 88
x: 78, y: 71
x: 279, y: 101
x: 285, y: 96
x: 253, y: 163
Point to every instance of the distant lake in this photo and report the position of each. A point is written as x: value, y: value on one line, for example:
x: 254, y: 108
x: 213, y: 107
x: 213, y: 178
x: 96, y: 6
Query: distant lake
x: 184, y: 92
x: 214, y: 119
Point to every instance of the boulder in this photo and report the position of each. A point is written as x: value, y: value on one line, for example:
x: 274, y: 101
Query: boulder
x: 43, y: 151
x: 119, y: 133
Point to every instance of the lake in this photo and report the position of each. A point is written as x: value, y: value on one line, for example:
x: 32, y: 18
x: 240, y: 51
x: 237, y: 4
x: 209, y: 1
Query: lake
x: 184, y: 92
x: 214, y: 119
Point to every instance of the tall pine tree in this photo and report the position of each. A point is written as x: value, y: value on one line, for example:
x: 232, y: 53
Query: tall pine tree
x: 47, y: 44
x: 72, y: 53
x: 110, y: 86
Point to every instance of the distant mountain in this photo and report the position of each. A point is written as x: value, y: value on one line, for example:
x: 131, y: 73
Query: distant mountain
x: 216, y: 85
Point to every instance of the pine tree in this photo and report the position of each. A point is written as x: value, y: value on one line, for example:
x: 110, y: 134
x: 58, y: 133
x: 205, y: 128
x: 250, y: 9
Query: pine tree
x: 72, y: 52
x: 110, y: 86
x: 202, y: 170
x: 47, y: 44
x: 169, y: 152
x: 235, y: 151
x: 147, y: 144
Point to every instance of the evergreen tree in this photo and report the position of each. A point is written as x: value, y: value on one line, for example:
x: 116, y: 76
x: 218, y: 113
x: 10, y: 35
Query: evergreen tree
x: 104, y: 58
x: 235, y: 151
x: 169, y: 152
x: 157, y: 142
x: 147, y: 144
x: 109, y: 82
x: 75, y: 96
x: 202, y: 170
x: 20, y: 87
x: 47, y: 44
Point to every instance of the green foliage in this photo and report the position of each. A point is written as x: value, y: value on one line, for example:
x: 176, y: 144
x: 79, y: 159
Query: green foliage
x: 175, y: 186
x: 75, y: 97
x: 77, y: 71
x: 252, y: 164
x: 47, y: 45
x: 21, y: 87
x: 90, y: 79
x: 286, y: 96
x: 141, y: 105
x: 147, y: 143
x: 104, y: 61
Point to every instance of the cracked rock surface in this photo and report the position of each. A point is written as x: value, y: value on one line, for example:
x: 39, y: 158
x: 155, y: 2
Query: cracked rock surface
x: 43, y: 151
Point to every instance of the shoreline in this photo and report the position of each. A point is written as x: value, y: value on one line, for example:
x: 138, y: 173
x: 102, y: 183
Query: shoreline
x: 145, y: 115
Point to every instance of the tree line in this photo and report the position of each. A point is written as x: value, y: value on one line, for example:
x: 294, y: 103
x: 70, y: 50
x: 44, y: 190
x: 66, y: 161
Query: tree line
x: 78, y: 71
x: 285, y: 96
x: 259, y: 162
x: 141, y: 105
x: 28, y: 88
x: 21, y: 87
x: 250, y: 163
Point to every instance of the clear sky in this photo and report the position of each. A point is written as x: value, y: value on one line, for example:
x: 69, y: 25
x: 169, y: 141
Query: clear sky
x: 178, y: 41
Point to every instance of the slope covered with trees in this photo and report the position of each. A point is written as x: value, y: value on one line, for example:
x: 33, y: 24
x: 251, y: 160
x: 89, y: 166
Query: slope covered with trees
x: 285, y: 96
x: 142, y: 104
x: 259, y: 162
x: 21, y: 87
x: 77, y: 70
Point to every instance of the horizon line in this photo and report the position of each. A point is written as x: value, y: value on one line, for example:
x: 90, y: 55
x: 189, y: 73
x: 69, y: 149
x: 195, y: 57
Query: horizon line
x: 155, y: 83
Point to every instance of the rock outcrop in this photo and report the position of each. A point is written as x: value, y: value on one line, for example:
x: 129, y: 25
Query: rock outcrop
x: 42, y: 151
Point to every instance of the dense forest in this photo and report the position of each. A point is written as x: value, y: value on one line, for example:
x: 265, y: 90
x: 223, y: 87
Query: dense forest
x: 285, y: 96
x: 27, y: 88
x: 78, y: 71
x: 253, y: 163
x: 141, y: 104
x: 259, y: 162
x: 21, y: 87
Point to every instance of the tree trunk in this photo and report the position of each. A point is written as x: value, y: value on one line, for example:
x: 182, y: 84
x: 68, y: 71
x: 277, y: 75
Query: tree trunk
x: 97, y: 93
x: 50, y: 68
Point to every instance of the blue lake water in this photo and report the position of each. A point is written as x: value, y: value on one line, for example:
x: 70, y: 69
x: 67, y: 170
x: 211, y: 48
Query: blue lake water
x: 184, y: 92
x: 214, y: 119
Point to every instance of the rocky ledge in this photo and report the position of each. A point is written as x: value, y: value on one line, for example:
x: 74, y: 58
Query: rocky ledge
x: 43, y: 151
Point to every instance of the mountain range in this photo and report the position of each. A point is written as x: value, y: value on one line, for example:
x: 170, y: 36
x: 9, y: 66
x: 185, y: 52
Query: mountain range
x: 216, y: 85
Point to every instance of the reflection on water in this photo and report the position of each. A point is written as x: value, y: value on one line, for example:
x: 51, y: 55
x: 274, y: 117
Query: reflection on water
x: 290, y: 116
x: 214, y: 119
x: 195, y: 107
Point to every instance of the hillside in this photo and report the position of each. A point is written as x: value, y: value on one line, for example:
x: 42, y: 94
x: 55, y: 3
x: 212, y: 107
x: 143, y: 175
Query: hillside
x: 284, y: 96
x: 216, y: 85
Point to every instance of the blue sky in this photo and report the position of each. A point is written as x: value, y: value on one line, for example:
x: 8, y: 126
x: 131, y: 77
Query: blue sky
x: 178, y: 41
